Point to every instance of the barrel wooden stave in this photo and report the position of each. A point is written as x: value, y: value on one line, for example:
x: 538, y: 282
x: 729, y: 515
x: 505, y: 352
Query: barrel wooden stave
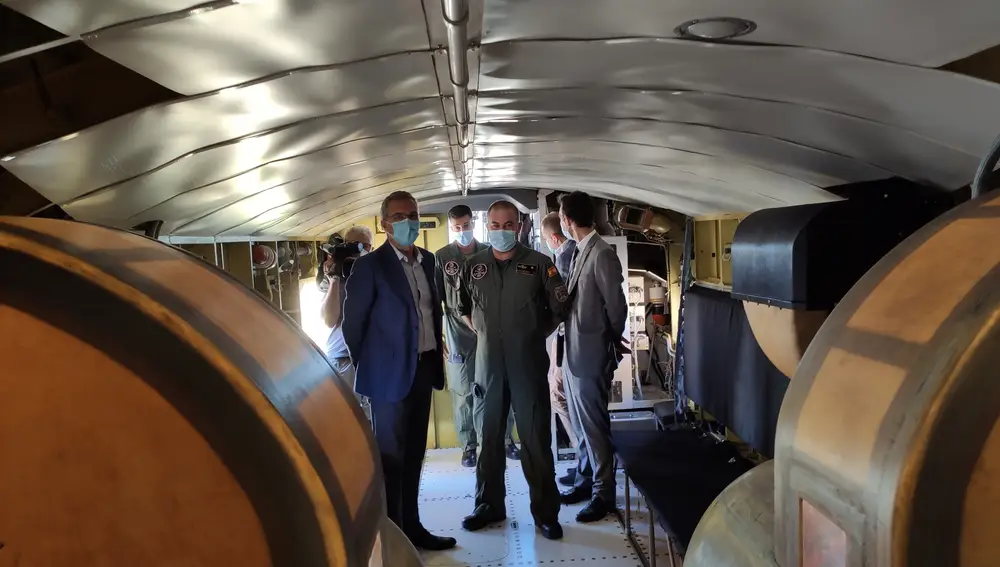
x: 885, y: 444
x: 737, y: 530
x: 157, y: 412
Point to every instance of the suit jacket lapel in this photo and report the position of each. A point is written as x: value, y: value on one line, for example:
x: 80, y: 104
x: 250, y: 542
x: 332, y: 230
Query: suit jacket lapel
x: 394, y: 273
x: 580, y: 259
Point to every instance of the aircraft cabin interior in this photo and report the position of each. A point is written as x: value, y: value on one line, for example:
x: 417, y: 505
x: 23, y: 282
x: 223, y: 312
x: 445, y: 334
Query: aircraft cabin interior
x: 800, y: 194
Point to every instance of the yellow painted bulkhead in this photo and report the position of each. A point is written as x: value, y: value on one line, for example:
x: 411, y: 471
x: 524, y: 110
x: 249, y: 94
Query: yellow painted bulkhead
x: 235, y: 258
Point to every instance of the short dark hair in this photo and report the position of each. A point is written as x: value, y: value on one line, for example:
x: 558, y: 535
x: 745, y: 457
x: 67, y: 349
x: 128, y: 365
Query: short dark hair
x: 459, y: 211
x: 579, y: 208
x: 502, y: 204
x: 396, y: 196
x: 550, y: 222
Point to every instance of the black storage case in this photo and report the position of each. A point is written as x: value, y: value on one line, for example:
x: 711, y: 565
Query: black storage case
x: 809, y: 256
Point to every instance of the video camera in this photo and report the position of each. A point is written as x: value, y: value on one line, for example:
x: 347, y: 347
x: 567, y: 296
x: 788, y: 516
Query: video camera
x: 344, y: 254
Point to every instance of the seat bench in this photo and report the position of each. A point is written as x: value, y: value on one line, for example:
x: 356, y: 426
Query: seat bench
x: 679, y: 472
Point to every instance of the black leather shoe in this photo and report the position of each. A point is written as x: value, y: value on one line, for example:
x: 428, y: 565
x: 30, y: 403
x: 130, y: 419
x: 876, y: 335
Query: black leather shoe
x: 482, y: 517
x: 597, y: 510
x: 513, y: 453
x: 430, y: 542
x: 551, y: 530
x: 576, y: 495
x: 469, y: 458
x: 569, y: 479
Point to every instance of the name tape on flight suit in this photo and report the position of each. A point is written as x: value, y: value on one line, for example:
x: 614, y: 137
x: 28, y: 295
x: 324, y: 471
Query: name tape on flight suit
x: 527, y: 269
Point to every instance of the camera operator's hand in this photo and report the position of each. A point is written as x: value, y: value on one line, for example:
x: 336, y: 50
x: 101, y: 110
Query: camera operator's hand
x: 328, y: 267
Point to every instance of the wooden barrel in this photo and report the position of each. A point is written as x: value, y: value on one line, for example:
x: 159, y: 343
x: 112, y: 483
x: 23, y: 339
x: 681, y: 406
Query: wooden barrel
x: 737, y: 530
x: 155, y: 412
x: 888, y: 443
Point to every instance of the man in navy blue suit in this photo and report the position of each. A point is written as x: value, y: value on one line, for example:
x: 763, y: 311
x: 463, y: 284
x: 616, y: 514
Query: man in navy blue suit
x: 392, y: 326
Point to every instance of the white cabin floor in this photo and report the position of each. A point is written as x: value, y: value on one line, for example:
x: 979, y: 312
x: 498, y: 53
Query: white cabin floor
x: 447, y: 493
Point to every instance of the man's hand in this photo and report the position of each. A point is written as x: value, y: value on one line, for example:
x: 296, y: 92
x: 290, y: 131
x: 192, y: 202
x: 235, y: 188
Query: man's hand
x: 444, y: 349
x: 327, y: 267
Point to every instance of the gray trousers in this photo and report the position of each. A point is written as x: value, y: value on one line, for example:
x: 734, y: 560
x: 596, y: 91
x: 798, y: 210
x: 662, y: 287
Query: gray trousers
x: 588, y: 411
x: 467, y: 407
x: 557, y: 393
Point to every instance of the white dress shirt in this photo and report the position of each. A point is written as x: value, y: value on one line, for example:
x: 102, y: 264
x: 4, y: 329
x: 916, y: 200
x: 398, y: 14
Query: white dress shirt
x: 422, y: 298
x: 580, y: 247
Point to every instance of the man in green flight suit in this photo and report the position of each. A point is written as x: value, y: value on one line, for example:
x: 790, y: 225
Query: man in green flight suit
x: 461, y: 340
x: 514, y: 298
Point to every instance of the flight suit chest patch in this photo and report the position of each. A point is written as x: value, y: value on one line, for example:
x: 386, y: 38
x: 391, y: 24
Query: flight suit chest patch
x: 451, y: 267
x: 527, y: 269
x: 479, y: 271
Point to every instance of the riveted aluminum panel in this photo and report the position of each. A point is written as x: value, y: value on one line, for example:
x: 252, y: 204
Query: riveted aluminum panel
x: 141, y: 141
x: 354, y: 214
x: 891, y: 148
x: 791, y: 159
x: 919, y: 32
x: 75, y: 17
x: 309, y: 170
x: 314, y: 220
x: 712, y: 167
x: 954, y: 110
x: 224, y: 47
x: 233, y: 158
x: 290, y: 194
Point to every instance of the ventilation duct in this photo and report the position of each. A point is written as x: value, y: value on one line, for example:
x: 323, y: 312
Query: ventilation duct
x: 456, y: 21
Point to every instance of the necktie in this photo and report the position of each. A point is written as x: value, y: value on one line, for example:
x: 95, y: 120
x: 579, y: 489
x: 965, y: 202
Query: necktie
x: 572, y: 262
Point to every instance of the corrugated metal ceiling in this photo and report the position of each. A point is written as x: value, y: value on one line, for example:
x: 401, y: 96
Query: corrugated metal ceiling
x: 298, y: 116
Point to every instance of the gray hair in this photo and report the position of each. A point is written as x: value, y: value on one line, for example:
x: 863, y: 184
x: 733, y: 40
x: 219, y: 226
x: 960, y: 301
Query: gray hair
x: 359, y: 230
x: 396, y: 196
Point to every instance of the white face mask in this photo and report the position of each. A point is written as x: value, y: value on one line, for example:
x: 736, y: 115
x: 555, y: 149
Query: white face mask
x: 565, y: 229
x: 551, y: 247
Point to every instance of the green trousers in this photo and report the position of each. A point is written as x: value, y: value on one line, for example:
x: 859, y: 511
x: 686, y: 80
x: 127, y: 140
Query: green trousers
x: 529, y: 397
x: 468, y: 408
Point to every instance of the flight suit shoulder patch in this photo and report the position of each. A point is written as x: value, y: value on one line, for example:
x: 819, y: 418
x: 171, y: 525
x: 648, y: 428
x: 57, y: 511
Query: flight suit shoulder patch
x: 479, y: 271
x: 451, y: 267
x: 552, y: 271
x: 527, y: 269
x: 561, y: 294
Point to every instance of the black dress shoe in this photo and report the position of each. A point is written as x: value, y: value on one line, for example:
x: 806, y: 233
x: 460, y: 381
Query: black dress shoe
x: 482, y: 517
x: 597, y: 510
x: 551, y: 530
x: 469, y: 458
x: 513, y: 453
x: 430, y: 542
x: 569, y: 479
x: 576, y: 495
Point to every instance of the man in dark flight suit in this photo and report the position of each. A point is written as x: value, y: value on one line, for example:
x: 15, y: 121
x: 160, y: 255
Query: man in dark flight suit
x: 461, y: 340
x: 514, y: 298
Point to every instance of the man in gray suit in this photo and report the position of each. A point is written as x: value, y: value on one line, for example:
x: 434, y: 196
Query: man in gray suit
x: 594, y: 346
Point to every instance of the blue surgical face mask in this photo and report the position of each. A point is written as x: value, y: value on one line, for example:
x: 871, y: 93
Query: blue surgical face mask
x: 565, y: 229
x: 405, y: 232
x: 503, y: 240
x: 464, y: 237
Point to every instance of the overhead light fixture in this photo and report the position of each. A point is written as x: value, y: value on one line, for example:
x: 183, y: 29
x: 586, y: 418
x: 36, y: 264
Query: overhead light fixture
x: 715, y: 29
